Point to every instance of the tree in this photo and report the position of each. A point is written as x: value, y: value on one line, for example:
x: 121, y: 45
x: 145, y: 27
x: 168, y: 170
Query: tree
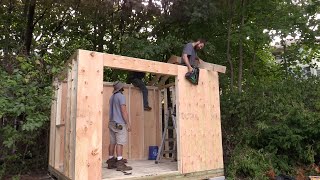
x: 38, y: 36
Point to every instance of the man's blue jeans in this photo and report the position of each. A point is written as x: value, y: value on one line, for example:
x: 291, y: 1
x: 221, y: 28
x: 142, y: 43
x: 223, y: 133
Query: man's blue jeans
x: 140, y: 84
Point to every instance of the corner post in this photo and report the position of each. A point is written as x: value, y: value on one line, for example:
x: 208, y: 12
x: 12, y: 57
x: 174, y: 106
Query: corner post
x: 88, y: 136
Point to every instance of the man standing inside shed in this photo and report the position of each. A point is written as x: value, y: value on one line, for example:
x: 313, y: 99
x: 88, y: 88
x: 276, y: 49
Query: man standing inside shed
x: 119, y: 126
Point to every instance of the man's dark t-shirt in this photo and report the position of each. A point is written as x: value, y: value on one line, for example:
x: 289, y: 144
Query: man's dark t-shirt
x: 191, y: 53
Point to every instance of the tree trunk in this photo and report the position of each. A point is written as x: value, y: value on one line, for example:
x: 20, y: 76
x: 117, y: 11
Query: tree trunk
x: 254, y: 58
x: 228, y: 45
x: 111, y: 43
x: 25, y: 16
x: 240, y: 71
x: 30, y: 27
x: 283, y: 42
x: 7, y: 63
x: 102, y: 30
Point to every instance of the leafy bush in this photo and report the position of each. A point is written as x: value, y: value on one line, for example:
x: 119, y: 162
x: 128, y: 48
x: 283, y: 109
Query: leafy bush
x: 25, y: 101
x: 280, y: 118
x: 248, y: 162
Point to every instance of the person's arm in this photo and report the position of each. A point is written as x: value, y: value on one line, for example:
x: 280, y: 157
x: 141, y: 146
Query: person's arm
x: 199, y: 60
x: 186, y: 61
x: 187, y: 51
x: 125, y: 116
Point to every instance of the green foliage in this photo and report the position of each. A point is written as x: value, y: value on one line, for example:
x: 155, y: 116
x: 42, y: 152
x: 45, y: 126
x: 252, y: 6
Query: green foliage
x: 275, y: 116
x: 278, y: 118
x: 159, y: 50
x: 25, y: 107
x: 248, y: 163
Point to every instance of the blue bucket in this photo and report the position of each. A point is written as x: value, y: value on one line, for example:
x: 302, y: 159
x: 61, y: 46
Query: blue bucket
x: 153, y: 152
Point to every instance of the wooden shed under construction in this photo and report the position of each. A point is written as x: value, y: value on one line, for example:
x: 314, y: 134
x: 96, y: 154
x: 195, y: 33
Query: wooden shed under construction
x: 79, y: 120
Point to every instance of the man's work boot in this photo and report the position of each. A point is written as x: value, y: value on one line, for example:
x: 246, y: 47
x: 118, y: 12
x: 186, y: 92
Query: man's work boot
x: 147, y: 108
x: 112, y: 163
x: 125, y: 160
x: 121, y: 166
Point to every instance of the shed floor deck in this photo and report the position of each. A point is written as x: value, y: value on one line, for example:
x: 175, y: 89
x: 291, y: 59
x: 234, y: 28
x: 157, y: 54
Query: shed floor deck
x: 142, y: 168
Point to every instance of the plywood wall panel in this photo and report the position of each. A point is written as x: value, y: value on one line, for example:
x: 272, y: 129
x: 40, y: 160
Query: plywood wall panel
x: 145, y: 124
x: 150, y: 124
x: 136, y: 136
x: 199, y: 128
x: 216, y: 136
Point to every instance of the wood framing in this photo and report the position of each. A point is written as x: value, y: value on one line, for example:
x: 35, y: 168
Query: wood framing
x: 144, y: 131
x: 135, y: 64
x: 79, y: 117
x: 69, y: 151
x: 187, y: 176
x: 88, y: 140
x: 52, y: 124
x: 199, y: 128
x: 204, y: 65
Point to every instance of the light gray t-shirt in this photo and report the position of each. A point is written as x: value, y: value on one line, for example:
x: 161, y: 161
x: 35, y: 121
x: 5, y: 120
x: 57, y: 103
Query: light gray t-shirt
x: 189, y: 50
x: 115, y: 102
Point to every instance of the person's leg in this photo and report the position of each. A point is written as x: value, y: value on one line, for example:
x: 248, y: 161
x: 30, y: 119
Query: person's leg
x: 121, y: 138
x: 119, y: 151
x: 112, y: 160
x: 144, y: 91
x: 140, y: 84
x: 112, y: 137
x: 111, y: 150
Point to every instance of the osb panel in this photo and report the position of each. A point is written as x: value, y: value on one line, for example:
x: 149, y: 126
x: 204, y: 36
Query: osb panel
x: 217, y: 147
x: 199, y: 128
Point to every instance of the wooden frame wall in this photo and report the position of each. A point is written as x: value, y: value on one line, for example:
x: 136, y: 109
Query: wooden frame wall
x: 198, y: 115
x: 199, y: 125
x: 146, y: 129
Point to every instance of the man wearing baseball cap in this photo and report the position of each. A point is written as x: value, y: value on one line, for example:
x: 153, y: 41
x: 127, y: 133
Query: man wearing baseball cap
x: 119, y: 126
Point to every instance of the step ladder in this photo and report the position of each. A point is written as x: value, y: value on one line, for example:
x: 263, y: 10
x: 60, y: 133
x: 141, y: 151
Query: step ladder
x: 162, y: 151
